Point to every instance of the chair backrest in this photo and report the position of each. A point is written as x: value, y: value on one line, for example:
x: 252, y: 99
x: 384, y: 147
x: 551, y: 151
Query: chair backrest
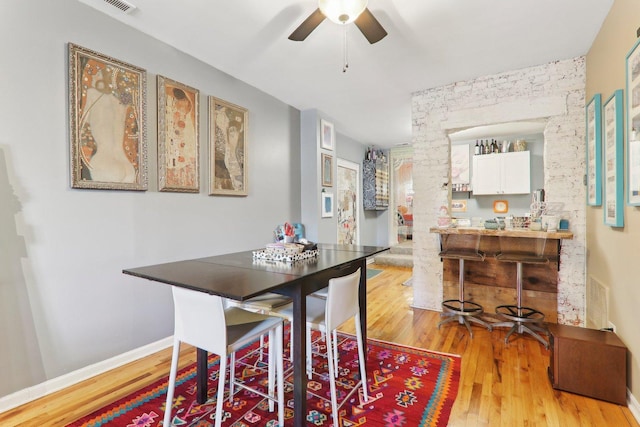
x: 342, y: 300
x: 200, y: 320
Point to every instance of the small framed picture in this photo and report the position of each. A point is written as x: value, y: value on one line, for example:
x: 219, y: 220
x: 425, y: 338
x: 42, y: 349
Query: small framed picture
x: 594, y: 151
x: 633, y: 125
x: 612, y: 175
x: 327, y: 135
x: 458, y: 205
x: 327, y: 205
x: 500, y: 206
x: 327, y: 170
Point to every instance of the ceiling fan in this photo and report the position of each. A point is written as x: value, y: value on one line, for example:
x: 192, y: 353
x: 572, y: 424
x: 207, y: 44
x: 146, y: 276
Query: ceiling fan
x: 342, y: 12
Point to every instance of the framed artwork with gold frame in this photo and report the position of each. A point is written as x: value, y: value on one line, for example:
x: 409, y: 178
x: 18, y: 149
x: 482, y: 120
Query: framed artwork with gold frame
x: 178, y: 122
x: 228, y: 125
x: 327, y: 170
x: 107, y: 122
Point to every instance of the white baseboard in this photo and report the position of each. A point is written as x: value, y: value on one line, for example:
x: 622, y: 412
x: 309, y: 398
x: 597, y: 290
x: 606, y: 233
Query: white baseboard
x: 634, y: 406
x: 50, y: 386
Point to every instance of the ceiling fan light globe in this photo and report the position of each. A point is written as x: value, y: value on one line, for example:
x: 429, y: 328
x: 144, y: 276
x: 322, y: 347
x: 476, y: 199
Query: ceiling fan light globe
x: 342, y: 11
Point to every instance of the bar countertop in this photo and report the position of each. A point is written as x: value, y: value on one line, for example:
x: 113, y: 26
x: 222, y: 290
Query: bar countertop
x: 514, y: 232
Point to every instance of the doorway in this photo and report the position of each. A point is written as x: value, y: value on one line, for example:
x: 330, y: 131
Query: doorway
x: 401, y: 218
x: 348, y: 202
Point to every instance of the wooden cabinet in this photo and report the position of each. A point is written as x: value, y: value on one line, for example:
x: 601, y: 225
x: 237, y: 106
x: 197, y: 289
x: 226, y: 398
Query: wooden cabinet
x: 588, y: 362
x: 375, y: 184
x: 502, y: 173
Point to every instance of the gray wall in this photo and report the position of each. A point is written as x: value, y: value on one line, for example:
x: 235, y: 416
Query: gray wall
x: 64, y: 303
x: 373, y: 225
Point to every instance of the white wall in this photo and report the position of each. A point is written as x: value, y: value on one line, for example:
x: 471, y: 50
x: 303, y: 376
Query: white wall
x: 64, y: 303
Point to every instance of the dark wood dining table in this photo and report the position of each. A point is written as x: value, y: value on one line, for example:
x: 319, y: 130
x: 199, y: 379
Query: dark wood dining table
x: 238, y: 276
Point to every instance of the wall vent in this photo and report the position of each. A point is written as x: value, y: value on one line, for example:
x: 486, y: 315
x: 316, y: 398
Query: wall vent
x: 597, y: 304
x: 121, y: 4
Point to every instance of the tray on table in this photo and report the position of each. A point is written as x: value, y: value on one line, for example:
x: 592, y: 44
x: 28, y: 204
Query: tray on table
x: 284, y: 256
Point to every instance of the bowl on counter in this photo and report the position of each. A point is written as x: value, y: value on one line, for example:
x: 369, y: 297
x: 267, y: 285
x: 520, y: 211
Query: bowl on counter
x: 492, y: 224
x: 535, y: 226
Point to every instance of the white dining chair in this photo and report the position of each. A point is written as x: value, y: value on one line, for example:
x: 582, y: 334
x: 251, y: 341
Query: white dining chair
x: 323, y: 294
x: 203, y: 321
x: 267, y: 304
x: 341, y: 305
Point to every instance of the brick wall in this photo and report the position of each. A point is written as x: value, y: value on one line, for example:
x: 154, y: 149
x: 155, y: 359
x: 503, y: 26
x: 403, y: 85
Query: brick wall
x: 553, y: 94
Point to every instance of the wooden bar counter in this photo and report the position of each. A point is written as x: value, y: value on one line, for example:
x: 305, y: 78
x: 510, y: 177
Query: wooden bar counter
x: 490, y: 282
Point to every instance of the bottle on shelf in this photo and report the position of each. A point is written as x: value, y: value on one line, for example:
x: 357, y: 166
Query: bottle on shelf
x: 476, y: 149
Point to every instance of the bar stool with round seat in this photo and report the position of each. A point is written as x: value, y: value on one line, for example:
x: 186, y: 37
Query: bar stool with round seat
x: 519, y: 318
x: 462, y: 310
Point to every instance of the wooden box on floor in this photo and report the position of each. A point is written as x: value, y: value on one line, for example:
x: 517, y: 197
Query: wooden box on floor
x: 588, y: 362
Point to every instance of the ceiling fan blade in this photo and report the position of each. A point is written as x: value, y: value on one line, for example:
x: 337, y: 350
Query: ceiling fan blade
x: 309, y: 24
x: 370, y: 27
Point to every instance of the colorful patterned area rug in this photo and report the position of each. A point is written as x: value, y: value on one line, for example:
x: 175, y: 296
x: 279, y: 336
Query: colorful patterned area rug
x: 407, y: 387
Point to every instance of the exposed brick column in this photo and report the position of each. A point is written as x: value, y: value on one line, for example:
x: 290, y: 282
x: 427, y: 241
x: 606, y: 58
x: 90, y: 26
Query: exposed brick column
x: 553, y: 93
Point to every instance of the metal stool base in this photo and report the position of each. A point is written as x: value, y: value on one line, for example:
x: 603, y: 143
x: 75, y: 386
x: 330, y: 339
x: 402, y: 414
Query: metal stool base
x: 463, y: 312
x: 522, y: 320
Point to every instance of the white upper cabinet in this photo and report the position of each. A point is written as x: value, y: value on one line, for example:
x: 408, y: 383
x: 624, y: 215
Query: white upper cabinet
x: 502, y: 173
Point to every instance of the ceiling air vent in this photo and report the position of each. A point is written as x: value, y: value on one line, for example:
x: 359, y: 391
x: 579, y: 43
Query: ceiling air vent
x: 122, y: 5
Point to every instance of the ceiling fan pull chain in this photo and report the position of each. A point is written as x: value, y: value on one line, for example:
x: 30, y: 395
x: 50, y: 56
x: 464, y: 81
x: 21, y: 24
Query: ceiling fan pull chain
x: 345, y: 59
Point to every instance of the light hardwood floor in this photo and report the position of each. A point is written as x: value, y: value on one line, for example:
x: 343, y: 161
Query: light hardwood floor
x: 501, y: 385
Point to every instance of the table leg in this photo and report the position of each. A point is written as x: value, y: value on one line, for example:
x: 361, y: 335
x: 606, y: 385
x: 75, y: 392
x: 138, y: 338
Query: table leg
x: 362, y: 294
x: 299, y: 357
x: 201, y: 376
